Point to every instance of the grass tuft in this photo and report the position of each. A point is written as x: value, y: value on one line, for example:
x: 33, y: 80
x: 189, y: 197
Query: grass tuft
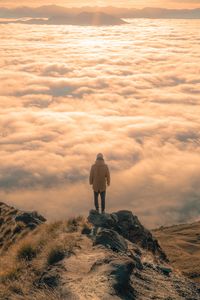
x: 26, y: 252
x: 73, y: 224
x: 56, y: 254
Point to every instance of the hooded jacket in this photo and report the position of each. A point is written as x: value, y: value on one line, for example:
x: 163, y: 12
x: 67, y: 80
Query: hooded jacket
x: 99, y: 176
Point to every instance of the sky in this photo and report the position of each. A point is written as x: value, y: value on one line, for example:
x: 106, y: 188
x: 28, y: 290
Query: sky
x: 130, y: 92
x: 125, y: 3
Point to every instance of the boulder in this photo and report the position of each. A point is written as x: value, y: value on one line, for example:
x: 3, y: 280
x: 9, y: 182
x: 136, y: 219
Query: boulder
x: 111, y: 239
x: 101, y: 220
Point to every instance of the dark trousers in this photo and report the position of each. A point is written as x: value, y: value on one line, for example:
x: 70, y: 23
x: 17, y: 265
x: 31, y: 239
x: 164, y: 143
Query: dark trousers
x: 103, y: 200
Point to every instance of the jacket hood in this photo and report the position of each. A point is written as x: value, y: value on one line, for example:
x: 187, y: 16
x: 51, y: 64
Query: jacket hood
x: 100, y: 161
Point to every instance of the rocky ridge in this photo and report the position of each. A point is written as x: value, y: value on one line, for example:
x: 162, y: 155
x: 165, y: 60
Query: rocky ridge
x: 125, y: 224
x: 15, y: 224
x: 109, y: 256
x: 141, y: 268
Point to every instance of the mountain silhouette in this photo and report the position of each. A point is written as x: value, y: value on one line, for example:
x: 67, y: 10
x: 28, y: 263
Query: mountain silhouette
x: 49, y: 11
x: 82, y: 19
x: 87, y: 19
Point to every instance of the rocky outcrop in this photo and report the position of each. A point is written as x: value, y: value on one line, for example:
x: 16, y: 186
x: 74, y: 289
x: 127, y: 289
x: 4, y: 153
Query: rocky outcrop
x: 111, y: 239
x: 129, y: 227
x: 15, y: 224
x: 31, y: 219
x: 135, y: 265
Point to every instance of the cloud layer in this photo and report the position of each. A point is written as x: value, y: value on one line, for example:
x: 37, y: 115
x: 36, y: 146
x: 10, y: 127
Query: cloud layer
x: 131, y: 92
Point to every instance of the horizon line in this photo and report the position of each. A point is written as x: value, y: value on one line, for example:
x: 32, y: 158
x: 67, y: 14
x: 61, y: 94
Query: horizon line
x: 100, y: 7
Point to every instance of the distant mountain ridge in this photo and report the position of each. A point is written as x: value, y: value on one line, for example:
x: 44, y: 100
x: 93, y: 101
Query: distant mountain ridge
x: 49, y: 11
x: 81, y: 19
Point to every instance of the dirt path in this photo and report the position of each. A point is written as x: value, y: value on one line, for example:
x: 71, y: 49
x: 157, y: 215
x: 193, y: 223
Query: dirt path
x: 82, y: 283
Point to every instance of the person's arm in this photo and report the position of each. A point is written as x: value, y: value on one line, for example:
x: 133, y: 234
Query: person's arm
x: 91, y: 178
x: 108, y: 176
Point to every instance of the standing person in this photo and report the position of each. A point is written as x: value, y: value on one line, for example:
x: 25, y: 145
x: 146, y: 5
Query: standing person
x: 99, y: 176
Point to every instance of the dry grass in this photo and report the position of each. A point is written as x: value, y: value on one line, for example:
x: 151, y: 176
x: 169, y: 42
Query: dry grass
x: 182, y: 245
x: 38, y: 252
x: 16, y: 292
x: 74, y: 224
x: 46, y: 295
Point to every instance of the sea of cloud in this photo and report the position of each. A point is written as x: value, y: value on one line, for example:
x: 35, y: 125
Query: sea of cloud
x: 131, y: 92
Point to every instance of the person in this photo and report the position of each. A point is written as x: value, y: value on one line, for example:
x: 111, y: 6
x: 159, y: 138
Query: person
x: 99, y: 179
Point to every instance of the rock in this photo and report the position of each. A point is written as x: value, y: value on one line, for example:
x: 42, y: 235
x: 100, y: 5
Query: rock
x: 49, y: 279
x: 31, y: 219
x: 128, y: 226
x: 17, y: 229
x: 165, y: 270
x: 138, y: 262
x: 32, y: 225
x: 121, y: 272
x: 101, y: 220
x: 86, y: 231
x: 118, y: 270
x: 111, y: 239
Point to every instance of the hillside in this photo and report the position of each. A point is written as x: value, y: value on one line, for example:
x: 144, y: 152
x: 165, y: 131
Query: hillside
x: 182, y: 246
x: 109, y: 256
